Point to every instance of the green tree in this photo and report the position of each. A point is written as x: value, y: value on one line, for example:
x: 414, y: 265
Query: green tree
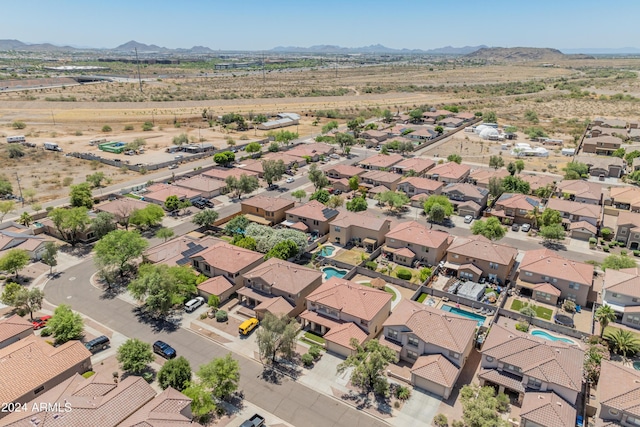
x: 244, y: 242
x: 15, y: 151
x: 438, y: 200
x: 519, y: 165
x: 630, y: 156
x: 620, y: 152
x: 369, y: 362
x: 436, y: 213
x: 6, y: 206
x: 181, y: 139
x: 175, y: 373
x: 480, y: 407
x: 164, y: 233
x: 96, y: 179
x: 273, y: 170
x: 317, y: 177
x: 387, y: 116
x: 65, y: 325
x: 134, y: 355
x: 10, y: 294
x: 321, y: 195
x: 285, y: 137
x: 553, y: 232
x: 299, y: 194
x: 618, y: 262
x: 491, y: 228
x: 243, y: 185
x: 535, y: 216
x: 80, y: 196
x: 202, y: 404
x: 224, y: 158
x: 335, y: 202
x: 221, y: 375
x: 550, y: 217
x: 50, y: 255
x: 253, y: 147
x: 273, y: 147
x: 456, y: 158
x: 496, y: 162
x: 438, y: 129
x: 24, y: 299
x: 356, y: 126
x: 576, y: 170
x: 490, y: 117
x: 357, y: 204
x: 354, y: 182
x: 237, y: 225
x: 511, y: 168
x: 416, y: 115
x: 528, y: 311
x: 513, y: 184
x: 102, y: 224
x: 595, y: 354
x: 344, y: 140
x: 531, y: 116
x: 118, y: 248
x: 604, y: 315
x: 70, y: 223
x: 14, y: 261
x: 277, y: 336
x: 5, y: 186
x: 623, y: 342
x: 545, y: 192
x: 205, y: 218
x: 534, y: 132
x: 149, y: 216
x: 155, y: 288
x: 393, y: 199
x: 172, y: 203
x: 495, y: 187
x: 283, y: 250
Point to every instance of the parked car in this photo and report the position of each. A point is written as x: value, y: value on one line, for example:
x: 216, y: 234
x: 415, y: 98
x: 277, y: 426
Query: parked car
x: 334, y: 156
x: 97, y: 344
x: 273, y: 187
x: 40, y: 322
x: 515, y: 227
x: 255, y: 421
x: 468, y: 219
x: 526, y: 227
x: 173, y: 166
x: 179, y: 157
x: 289, y: 180
x: 164, y: 350
x: 193, y: 304
x: 337, y: 192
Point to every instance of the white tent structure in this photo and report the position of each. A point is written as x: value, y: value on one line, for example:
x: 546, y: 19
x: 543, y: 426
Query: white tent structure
x: 488, y: 133
x: 480, y: 128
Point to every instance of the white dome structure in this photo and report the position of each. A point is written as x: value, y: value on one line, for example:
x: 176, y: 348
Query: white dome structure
x: 480, y: 128
x: 488, y: 132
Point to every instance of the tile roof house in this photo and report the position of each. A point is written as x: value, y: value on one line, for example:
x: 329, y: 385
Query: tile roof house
x: 361, y: 229
x: 414, y: 186
x: 608, y: 166
x: 219, y: 286
x: 169, y: 408
x: 546, y: 409
x: 380, y: 161
x: 21, y: 237
x: 278, y: 279
x: 419, y: 165
x: 628, y: 229
x: 601, y: 145
x: 313, y: 215
x: 481, y: 177
x: 208, y: 187
x: 476, y: 256
x: 562, y: 278
x: 621, y: 291
x: 376, y: 178
x: 579, y: 190
x: 437, y: 342
x: 377, y: 135
x: 449, y: 172
x: 158, y: 193
x: 222, y: 174
x: 314, y: 151
x: 121, y: 208
x: 14, y: 328
x: 338, y: 302
x: 411, y: 241
x: 289, y: 160
x: 609, y: 123
x: 576, y: 211
x: 625, y: 198
x: 177, y: 251
x: 254, y: 167
x: 451, y: 122
x: 344, y: 171
x: 461, y: 194
x: 513, y: 208
x: 30, y: 367
x: 224, y: 259
x: 266, y: 210
x: 617, y: 393
x: 539, y: 181
x: 600, y: 131
x: 523, y: 363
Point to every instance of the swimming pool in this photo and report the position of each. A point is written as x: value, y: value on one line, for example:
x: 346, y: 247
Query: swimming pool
x: 326, y: 251
x: 464, y: 313
x: 329, y: 272
x: 636, y: 365
x: 547, y: 336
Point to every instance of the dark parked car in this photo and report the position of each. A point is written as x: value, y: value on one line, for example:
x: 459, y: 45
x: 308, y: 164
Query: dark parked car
x: 164, y: 350
x: 97, y: 344
x: 515, y: 227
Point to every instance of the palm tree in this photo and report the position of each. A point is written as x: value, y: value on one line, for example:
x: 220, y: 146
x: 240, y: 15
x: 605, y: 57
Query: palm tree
x: 25, y: 219
x: 604, y: 315
x: 534, y: 215
x: 623, y: 342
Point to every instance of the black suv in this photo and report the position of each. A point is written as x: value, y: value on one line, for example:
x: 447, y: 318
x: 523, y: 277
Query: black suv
x: 97, y: 344
x: 164, y: 350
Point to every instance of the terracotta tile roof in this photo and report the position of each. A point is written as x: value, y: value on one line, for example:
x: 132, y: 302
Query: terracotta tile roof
x: 360, y: 219
x: 269, y: 204
x: 465, y: 116
x: 480, y: 247
x: 416, y: 233
x: 215, y: 285
x: 619, y: 388
x: 160, y: 192
x: 372, y: 133
x: 547, y: 288
x: 406, y: 252
x: 518, y: 201
x: 469, y: 190
x: 346, y: 171
x: 539, y: 181
x: 377, y: 190
x: 502, y: 378
x: 470, y: 204
x: 436, y: 368
x: 313, y: 210
x: 599, y: 162
x: 30, y: 362
x: 431, y: 325
x: 583, y: 224
x: 381, y: 176
x: 547, y: 409
x: 580, y: 188
x: 173, y: 250
x: 575, y: 208
x: 381, y: 160
x: 201, y: 183
x: 553, y: 362
x: 311, y: 149
x: 301, y: 226
x: 276, y: 306
x: 549, y: 263
x: 625, y: 281
x: 222, y: 173
x: 351, y: 298
x: 12, y: 326
x: 287, y: 159
x: 283, y: 275
x: 343, y: 334
x: 424, y: 184
x: 169, y: 408
x: 482, y: 176
x: 605, y: 139
x: 252, y: 167
x: 122, y: 207
x: 450, y: 170
x: 418, y: 164
x: 628, y: 218
x: 227, y: 257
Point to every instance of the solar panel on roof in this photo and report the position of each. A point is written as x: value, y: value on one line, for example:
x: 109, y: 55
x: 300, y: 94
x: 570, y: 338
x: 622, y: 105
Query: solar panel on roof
x: 328, y: 212
x: 192, y: 250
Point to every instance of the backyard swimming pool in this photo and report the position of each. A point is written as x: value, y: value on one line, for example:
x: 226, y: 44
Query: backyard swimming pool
x: 547, y: 336
x: 464, y: 313
x: 329, y: 272
x: 326, y: 251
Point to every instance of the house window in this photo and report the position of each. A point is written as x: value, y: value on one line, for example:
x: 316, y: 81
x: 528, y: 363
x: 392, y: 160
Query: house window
x: 543, y: 295
x: 465, y: 275
x: 412, y: 354
x: 392, y: 240
x: 456, y: 256
x: 38, y: 390
x: 528, y: 273
x: 336, y: 229
x: 454, y: 354
x: 522, y: 211
x: 493, y: 277
x: 634, y: 299
x: 393, y: 334
x: 545, y: 278
x: 493, y: 265
x: 425, y: 249
x: 575, y: 286
x: 315, y: 222
x: 489, y: 358
x: 207, y: 268
x: 413, y: 341
x: 635, y: 320
x: 614, y: 295
x: 634, y: 421
x: 572, y: 297
x: 623, y: 231
x: 534, y: 383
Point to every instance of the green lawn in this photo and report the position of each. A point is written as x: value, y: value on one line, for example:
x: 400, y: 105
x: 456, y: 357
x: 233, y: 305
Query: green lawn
x: 314, y: 338
x: 422, y: 297
x: 542, y: 312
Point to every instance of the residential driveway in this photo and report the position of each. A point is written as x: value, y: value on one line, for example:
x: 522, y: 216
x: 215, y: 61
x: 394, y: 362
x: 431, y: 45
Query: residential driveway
x: 284, y: 398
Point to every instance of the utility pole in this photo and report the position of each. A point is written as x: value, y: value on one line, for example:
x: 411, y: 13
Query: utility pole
x: 264, y: 77
x: 139, y: 78
x: 20, y: 188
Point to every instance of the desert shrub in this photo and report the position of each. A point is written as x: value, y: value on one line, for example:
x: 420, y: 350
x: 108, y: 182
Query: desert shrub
x: 221, y: 316
x: 593, y: 240
x: 403, y: 393
x: 307, y: 359
x: 522, y: 326
x: 371, y: 265
x: 404, y: 274
x: 106, y: 128
x: 569, y: 306
x: 440, y: 420
x: 147, y: 126
x: 128, y: 127
x: 315, y: 351
x: 18, y: 125
x: 636, y: 253
x: 606, y: 233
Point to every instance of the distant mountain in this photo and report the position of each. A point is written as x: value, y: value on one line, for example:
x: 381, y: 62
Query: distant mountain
x: 377, y: 48
x: 603, y: 51
x: 132, y: 45
x: 37, y: 47
x: 449, y: 50
x: 520, y: 54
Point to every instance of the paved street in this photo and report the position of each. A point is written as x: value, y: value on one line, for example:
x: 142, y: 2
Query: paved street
x: 289, y: 400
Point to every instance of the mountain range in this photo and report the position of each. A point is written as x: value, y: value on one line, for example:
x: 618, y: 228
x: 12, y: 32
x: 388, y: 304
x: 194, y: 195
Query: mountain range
x: 377, y: 48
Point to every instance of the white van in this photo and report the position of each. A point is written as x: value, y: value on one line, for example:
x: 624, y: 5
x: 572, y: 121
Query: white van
x: 193, y: 304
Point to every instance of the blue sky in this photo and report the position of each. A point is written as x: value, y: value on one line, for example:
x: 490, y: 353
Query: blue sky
x: 261, y: 25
